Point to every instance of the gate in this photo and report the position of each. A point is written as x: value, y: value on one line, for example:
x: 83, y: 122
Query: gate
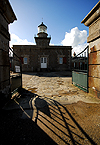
x: 15, y: 72
x: 80, y: 70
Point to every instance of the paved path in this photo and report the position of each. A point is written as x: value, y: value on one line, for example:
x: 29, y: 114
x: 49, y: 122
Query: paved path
x: 56, y: 86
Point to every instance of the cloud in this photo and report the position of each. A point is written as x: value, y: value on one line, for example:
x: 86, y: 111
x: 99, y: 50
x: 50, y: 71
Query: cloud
x: 15, y: 40
x: 75, y: 38
x: 51, y: 44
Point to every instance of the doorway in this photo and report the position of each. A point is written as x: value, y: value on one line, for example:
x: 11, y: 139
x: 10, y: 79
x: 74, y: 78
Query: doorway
x: 43, y: 62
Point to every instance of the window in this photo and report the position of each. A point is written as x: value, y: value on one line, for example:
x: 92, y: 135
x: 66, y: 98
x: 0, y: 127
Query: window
x: 25, y: 60
x: 45, y: 59
x: 41, y: 59
x: 60, y: 60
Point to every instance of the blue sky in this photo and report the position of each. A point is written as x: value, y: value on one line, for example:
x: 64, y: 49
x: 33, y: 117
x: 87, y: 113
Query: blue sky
x: 62, y: 17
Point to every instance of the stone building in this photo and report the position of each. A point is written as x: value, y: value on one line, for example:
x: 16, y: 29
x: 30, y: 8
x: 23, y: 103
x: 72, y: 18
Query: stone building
x: 43, y: 56
x: 7, y: 16
x: 92, y: 20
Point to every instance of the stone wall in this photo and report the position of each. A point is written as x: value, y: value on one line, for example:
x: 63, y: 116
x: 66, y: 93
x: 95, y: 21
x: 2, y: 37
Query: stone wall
x: 94, y: 68
x: 6, y: 17
x: 4, y: 61
x: 34, y: 53
x: 92, y: 20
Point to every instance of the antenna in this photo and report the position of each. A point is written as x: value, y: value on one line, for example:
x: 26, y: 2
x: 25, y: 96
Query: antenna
x: 42, y: 19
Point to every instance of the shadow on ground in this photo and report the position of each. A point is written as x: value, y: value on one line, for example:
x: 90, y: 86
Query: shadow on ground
x: 51, y: 74
x: 53, y: 124
x: 18, y: 131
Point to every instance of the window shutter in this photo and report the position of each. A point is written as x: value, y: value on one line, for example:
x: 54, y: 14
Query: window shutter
x: 21, y: 59
x: 64, y: 60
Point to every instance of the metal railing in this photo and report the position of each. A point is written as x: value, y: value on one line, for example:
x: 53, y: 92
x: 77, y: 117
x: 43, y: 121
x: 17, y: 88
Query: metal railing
x: 80, y: 61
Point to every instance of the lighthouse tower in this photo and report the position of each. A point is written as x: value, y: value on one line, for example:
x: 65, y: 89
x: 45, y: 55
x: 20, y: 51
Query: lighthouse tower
x: 42, y: 39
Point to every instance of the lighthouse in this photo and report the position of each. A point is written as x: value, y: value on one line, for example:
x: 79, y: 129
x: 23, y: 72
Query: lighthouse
x: 42, y: 39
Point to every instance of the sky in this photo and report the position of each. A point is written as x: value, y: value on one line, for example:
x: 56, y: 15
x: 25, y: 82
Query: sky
x: 62, y: 18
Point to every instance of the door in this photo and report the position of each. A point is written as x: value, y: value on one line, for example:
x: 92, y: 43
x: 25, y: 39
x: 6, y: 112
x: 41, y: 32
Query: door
x: 43, y: 62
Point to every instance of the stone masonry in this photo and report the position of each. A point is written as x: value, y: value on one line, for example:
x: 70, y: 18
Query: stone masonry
x: 34, y: 54
x: 7, y: 16
x: 92, y: 20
